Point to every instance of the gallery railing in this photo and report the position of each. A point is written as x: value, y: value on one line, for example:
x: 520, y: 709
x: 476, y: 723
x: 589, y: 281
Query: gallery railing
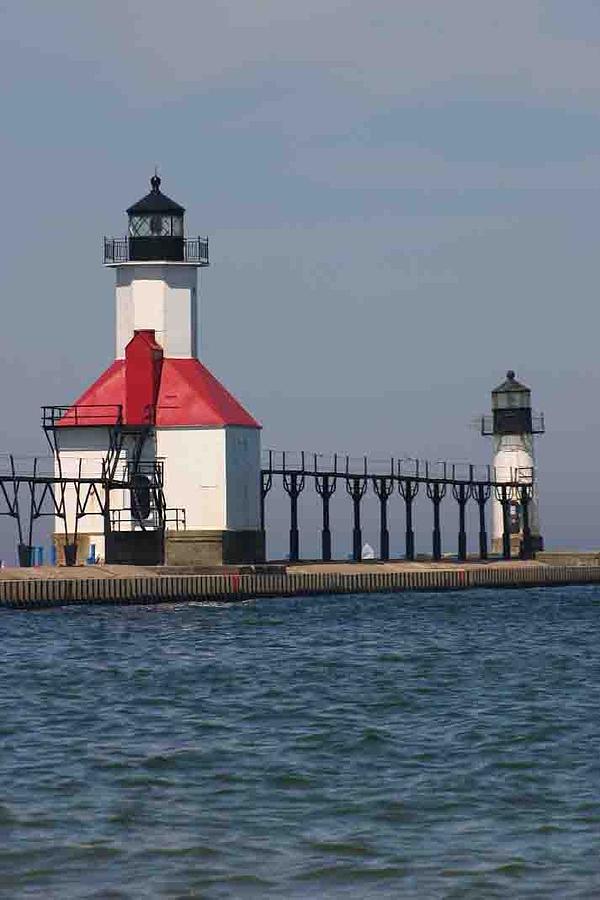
x: 126, y: 249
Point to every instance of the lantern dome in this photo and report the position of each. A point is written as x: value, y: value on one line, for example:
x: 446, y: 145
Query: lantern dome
x: 155, y: 201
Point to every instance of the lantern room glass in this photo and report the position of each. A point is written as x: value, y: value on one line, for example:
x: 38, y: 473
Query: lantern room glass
x: 156, y: 225
x: 511, y: 400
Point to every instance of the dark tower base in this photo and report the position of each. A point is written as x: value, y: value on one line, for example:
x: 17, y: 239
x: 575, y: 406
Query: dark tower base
x: 537, y: 544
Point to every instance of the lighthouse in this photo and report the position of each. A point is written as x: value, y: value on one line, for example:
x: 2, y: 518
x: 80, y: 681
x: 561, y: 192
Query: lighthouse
x: 157, y: 420
x: 512, y: 427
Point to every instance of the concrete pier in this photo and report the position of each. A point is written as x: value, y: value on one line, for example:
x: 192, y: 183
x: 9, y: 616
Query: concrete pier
x: 98, y: 585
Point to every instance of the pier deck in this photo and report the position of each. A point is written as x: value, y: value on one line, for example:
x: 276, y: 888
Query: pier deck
x: 46, y: 586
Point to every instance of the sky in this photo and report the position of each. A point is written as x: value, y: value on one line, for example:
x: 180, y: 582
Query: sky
x: 401, y: 199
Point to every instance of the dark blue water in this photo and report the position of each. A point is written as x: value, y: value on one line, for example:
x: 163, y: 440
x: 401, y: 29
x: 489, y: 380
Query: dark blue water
x: 441, y: 745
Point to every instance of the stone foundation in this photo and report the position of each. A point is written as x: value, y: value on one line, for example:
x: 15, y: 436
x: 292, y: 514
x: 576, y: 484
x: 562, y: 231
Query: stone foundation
x: 213, y: 548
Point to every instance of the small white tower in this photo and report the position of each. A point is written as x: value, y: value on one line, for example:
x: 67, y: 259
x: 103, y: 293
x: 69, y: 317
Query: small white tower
x: 165, y: 416
x: 512, y: 427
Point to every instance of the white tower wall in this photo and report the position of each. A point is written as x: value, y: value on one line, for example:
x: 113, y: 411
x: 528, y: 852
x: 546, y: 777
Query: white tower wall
x: 212, y: 473
x: 513, y: 460
x: 161, y: 297
x: 242, y: 455
x: 195, y: 474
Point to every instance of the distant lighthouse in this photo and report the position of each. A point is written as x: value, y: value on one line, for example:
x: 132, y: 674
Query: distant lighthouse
x: 158, y: 411
x: 512, y: 427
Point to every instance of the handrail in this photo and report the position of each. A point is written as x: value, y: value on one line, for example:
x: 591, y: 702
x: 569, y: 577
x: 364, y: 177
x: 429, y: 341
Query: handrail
x: 77, y: 413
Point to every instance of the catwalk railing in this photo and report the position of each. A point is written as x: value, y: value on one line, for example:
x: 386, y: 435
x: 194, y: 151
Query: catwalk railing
x: 462, y: 482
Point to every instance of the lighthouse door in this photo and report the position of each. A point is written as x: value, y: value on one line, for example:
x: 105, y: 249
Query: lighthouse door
x: 140, y: 498
x: 515, y: 518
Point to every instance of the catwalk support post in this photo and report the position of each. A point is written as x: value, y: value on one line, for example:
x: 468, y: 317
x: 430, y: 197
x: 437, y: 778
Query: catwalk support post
x: 383, y: 487
x: 266, y: 483
x: 436, y: 491
x: 325, y: 487
x: 503, y: 495
x: 356, y: 486
x: 408, y: 491
x: 526, y: 551
x: 293, y: 484
x: 461, y: 494
x: 481, y: 495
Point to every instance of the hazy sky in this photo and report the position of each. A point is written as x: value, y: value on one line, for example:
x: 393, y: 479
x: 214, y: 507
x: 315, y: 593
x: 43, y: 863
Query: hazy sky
x: 401, y: 198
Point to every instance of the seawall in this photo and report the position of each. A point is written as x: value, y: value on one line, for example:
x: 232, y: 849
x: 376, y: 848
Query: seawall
x: 88, y: 586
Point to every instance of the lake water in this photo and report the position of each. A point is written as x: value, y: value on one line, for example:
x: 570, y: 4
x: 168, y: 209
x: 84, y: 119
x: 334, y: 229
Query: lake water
x: 416, y: 745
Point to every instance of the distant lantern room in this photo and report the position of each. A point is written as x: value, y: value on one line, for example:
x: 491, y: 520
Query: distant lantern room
x: 511, y: 410
x: 156, y: 234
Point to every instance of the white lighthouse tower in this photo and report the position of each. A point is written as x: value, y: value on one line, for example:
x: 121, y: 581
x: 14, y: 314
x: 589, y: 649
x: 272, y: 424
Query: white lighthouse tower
x: 159, y: 413
x: 512, y: 427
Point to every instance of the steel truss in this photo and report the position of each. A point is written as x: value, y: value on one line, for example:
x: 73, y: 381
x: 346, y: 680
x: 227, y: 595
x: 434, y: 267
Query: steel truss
x: 40, y: 487
x: 122, y: 469
x: 463, y: 482
x: 31, y: 490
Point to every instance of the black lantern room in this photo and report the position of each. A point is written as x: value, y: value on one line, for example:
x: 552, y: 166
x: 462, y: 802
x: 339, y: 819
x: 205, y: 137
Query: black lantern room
x: 511, y: 410
x: 511, y: 407
x: 156, y: 227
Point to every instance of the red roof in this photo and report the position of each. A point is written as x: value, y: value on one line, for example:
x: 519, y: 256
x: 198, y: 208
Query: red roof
x: 188, y: 394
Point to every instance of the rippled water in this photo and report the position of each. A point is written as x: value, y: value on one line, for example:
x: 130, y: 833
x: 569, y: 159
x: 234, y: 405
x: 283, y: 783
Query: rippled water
x: 441, y: 745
